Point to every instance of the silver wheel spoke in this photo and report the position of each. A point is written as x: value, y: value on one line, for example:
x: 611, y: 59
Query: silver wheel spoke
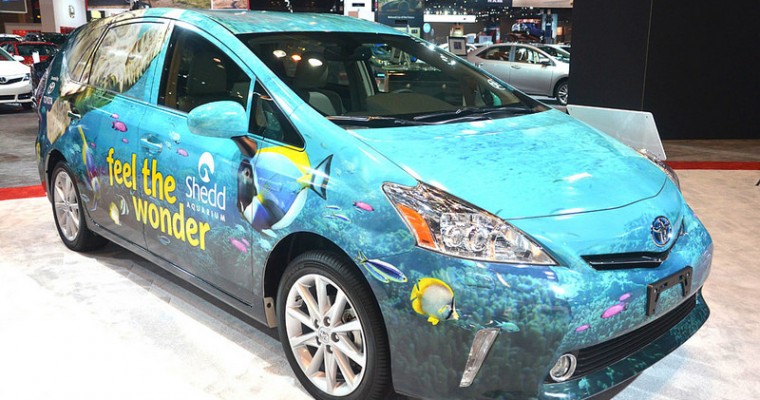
x: 316, y: 363
x: 331, y: 372
x: 311, y: 304
x: 322, y: 300
x: 345, y: 368
x: 301, y: 317
x: 309, y: 339
x: 353, y: 326
x: 347, y: 347
x: 335, y: 312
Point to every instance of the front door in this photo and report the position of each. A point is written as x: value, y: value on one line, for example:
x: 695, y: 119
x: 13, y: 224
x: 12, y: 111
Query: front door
x: 528, y: 74
x: 189, y: 205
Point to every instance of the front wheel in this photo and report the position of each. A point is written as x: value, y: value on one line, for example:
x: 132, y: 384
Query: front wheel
x: 331, y: 329
x: 68, y: 212
x: 561, y: 93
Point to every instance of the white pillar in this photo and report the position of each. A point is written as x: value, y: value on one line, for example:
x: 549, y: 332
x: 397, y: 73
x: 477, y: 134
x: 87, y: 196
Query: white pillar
x: 58, y: 13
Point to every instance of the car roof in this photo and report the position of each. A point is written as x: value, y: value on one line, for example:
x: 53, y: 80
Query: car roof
x: 26, y: 43
x: 240, y: 22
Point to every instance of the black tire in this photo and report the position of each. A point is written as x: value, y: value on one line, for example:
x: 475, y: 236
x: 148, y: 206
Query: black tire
x: 369, y: 345
x: 561, y: 92
x: 68, y: 212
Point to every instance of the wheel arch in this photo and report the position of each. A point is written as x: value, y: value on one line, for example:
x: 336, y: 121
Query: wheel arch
x: 284, y: 252
x: 53, y: 158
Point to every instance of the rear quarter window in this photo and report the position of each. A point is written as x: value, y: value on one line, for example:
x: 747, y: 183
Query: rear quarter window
x: 125, y: 61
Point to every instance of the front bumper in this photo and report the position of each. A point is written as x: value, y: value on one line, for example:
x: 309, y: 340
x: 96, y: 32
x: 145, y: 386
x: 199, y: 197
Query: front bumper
x: 541, y: 313
x: 15, y: 90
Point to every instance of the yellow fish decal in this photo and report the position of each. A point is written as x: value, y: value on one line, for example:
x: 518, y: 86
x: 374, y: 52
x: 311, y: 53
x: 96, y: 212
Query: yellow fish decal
x: 434, y: 298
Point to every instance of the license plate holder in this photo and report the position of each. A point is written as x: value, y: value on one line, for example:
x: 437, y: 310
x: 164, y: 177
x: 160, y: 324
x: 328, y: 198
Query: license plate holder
x: 654, y: 290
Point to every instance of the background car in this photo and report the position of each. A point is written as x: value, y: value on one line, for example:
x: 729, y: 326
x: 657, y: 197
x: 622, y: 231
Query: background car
x: 10, y: 36
x: 15, y: 83
x: 409, y: 224
x: 28, y: 49
x: 52, y: 37
x: 525, y: 67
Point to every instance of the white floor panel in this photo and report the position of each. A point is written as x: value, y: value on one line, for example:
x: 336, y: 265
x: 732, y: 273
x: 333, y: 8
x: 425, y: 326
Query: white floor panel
x: 108, y: 325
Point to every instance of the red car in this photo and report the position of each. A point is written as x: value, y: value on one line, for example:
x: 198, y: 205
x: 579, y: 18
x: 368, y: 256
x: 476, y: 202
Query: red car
x: 26, y: 49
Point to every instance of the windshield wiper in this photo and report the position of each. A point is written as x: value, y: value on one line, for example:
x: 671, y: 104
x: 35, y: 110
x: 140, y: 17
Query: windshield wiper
x: 374, y: 121
x: 473, y: 113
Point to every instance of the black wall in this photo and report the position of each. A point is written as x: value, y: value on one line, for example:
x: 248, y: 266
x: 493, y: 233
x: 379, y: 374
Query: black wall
x: 689, y: 63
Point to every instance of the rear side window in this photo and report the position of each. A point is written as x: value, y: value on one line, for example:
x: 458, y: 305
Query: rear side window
x: 77, y: 52
x: 126, y: 60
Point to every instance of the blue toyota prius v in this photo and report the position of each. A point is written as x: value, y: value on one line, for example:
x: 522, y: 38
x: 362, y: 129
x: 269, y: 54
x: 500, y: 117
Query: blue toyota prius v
x: 408, y: 222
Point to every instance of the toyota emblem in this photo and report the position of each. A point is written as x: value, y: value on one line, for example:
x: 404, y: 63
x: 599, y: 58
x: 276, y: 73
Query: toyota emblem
x: 661, y: 231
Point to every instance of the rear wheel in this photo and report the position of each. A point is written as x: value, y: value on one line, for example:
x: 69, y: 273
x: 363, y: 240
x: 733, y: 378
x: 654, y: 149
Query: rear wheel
x: 561, y: 93
x: 331, y: 329
x: 68, y: 212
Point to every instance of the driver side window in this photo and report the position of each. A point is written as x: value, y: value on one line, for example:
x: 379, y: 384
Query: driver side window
x: 197, y: 72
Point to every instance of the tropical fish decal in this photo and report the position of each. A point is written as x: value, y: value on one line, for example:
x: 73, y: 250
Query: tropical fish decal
x: 614, y: 310
x: 434, y: 298
x: 381, y: 270
x: 92, y: 181
x: 268, y: 196
x: 362, y: 206
x: 119, y: 126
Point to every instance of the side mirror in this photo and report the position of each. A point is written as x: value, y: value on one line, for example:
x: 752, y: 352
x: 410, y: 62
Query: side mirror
x: 219, y: 119
x: 544, y: 61
x: 18, y: 58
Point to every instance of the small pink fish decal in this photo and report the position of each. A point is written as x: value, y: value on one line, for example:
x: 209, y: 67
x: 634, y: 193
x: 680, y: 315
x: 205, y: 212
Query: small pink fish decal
x: 124, y: 140
x: 119, y: 126
x: 246, y: 242
x: 625, y: 297
x: 115, y: 116
x: 614, y: 310
x: 363, y: 206
x: 582, y: 328
x: 182, y: 152
x: 92, y: 144
x: 239, y: 245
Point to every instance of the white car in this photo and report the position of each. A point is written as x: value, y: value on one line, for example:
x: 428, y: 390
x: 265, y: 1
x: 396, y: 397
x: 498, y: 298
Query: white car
x: 525, y: 67
x: 15, y: 81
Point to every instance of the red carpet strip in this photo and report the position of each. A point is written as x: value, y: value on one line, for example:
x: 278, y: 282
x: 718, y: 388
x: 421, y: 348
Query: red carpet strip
x: 719, y: 165
x: 22, y: 192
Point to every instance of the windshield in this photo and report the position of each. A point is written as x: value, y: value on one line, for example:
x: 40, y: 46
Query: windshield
x: 373, y: 80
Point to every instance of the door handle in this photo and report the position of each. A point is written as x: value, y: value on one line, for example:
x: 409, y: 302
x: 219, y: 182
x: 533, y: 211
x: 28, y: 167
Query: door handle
x: 515, y: 66
x: 74, y: 116
x: 151, y: 143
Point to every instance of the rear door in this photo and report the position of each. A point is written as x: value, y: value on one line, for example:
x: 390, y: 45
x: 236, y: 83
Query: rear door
x: 106, y: 114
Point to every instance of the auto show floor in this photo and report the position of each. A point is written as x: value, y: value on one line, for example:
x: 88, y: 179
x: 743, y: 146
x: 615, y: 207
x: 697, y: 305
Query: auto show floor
x: 108, y: 324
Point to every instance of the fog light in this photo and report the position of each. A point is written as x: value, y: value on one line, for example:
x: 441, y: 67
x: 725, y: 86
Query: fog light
x: 478, y: 352
x: 564, y: 368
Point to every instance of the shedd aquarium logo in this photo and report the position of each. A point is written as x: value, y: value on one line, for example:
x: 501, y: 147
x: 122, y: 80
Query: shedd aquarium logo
x: 202, y: 197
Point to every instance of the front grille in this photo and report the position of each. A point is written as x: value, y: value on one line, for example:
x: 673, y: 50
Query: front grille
x: 9, y: 81
x: 609, y: 262
x: 597, y: 357
x: 8, y: 97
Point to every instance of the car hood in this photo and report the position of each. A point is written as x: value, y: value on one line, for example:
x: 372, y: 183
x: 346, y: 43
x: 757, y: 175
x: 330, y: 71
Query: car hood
x: 543, y: 164
x: 13, y: 68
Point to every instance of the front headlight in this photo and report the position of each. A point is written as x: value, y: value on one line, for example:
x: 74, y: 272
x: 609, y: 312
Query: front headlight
x: 27, y: 76
x: 446, y: 224
x: 664, y: 167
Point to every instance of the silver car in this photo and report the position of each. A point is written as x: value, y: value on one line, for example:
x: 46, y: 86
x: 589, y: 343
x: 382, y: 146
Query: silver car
x: 525, y: 67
